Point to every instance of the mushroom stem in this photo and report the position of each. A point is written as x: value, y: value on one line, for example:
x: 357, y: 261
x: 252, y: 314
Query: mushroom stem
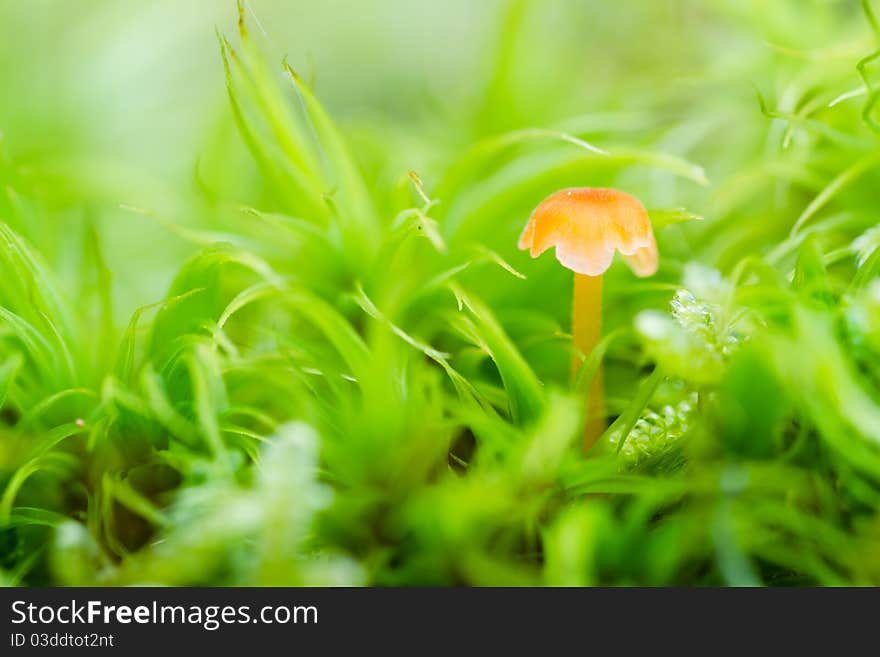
x: 586, y: 329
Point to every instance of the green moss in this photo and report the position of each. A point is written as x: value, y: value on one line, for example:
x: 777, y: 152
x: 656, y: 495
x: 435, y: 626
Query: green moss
x: 354, y: 377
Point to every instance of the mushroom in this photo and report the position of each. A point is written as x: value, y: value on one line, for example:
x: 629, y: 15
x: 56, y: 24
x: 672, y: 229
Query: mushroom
x: 586, y: 225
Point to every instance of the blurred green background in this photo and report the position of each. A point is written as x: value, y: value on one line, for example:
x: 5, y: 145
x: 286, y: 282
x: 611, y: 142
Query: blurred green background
x: 118, y: 101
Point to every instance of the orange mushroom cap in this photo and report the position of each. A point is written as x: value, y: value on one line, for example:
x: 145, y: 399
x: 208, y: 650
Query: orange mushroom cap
x: 586, y: 225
